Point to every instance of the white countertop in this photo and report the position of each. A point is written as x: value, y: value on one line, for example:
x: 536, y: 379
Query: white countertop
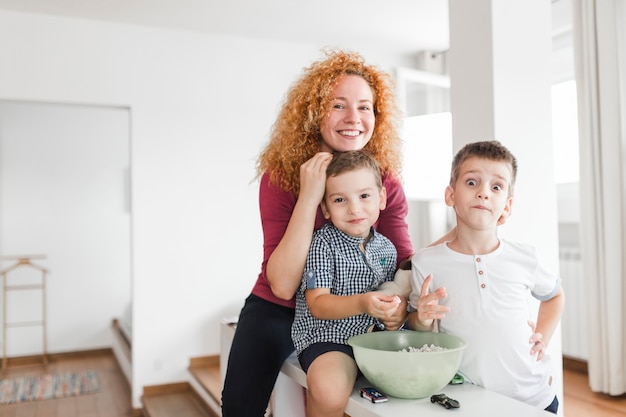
x: 474, y: 401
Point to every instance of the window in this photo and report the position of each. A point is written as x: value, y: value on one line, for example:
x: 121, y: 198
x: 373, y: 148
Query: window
x: 565, y: 132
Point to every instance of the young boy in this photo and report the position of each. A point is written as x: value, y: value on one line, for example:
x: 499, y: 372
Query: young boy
x: 347, y: 261
x: 476, y: 286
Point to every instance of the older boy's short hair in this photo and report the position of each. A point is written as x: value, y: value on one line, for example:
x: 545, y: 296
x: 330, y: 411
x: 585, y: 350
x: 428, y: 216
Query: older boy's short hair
x: 492, y: 149
x: 350, y: 160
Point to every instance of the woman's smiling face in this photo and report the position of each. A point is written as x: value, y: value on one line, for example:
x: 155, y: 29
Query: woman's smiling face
x: 350, y: 122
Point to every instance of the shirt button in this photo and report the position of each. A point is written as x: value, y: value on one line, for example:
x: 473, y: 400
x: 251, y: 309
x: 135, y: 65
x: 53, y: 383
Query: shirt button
x: 480, y: 272
x: 477, y: 259
x: 483, y: 286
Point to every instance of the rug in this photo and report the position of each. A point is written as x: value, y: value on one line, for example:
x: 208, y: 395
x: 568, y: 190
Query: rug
x: 48, y: 386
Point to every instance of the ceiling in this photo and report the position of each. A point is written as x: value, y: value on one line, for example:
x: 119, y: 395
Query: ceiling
x: 399, y: 26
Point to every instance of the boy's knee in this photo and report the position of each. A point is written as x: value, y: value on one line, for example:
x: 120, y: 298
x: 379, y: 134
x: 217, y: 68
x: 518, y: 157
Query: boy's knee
x: 326, y: 402
x: 330, y: 396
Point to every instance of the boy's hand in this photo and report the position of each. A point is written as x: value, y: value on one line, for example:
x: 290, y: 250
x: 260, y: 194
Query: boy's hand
x: 428, y: 308
x: 536, y: 341
x: 398, y: 316
x: 386, y: 308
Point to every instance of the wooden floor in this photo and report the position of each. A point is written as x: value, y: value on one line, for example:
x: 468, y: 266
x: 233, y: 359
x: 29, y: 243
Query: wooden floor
x: 581, y: 402
x: 113, y: 400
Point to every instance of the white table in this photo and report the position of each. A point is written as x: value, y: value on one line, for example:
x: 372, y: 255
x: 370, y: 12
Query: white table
x: 288, y: 396
x: 474, y: 401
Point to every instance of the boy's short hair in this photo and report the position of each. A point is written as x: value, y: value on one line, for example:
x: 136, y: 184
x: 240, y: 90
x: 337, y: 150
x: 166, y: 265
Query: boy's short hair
x: 350, y: 160
x: 493, y: 150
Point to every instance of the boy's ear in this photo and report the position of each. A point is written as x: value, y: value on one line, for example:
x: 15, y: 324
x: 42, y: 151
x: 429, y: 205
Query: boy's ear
x: 383, y: 198
x: 449, y: 196
x: 325, y: 209
x: 508, y: 208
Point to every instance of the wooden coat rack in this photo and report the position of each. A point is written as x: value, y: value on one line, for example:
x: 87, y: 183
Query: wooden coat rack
x: 23, y: 262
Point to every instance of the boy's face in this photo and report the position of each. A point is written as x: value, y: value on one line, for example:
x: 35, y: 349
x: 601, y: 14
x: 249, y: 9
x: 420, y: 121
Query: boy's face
x: 353, y: 201
x: 480, y: 195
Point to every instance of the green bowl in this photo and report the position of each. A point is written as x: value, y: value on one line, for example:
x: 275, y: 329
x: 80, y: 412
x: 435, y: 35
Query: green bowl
x: 407, y: 374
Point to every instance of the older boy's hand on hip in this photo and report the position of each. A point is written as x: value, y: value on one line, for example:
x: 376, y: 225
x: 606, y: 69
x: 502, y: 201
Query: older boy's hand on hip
x: 538, y: 346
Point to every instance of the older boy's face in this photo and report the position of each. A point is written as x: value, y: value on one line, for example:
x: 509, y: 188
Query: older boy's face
x: 353, y: 201
x: 350, y: 123
x: 481, y: 192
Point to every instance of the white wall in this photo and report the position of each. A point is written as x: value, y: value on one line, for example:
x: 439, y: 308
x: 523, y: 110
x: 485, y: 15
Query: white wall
x: 201, y: 108
x: 64, y: 194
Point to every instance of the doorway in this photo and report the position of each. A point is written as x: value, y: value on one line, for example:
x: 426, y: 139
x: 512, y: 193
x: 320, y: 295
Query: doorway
x: 65, y: 199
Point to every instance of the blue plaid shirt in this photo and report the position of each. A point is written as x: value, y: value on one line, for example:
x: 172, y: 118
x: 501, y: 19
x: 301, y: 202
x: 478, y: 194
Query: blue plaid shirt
x: 336, y: 261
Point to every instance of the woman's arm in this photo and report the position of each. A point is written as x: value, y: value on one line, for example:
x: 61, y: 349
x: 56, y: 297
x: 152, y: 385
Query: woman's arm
x: 286, y: 263
x: 445, y: 238
x: 392, y: 220
x: 392, y: 224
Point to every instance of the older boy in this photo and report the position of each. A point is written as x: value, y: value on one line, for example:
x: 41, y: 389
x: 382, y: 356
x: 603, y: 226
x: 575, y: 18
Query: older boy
x: 476, y: 286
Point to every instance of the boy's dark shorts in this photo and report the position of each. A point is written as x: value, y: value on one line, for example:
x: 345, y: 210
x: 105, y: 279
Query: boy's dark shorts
x: 311, y: 353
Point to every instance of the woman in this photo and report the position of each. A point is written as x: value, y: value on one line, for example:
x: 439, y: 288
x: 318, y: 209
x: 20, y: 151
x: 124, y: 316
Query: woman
x: 339, y: 104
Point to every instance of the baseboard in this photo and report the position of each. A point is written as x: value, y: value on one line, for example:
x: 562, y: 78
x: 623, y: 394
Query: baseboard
x: 206, y: 407
x: 122, y: 351
x: 204, y: 361
x: 163, y: 389
x: 575, y: 365
x: 31, y: 360
x: 118, y: 331
x: 175, y: 388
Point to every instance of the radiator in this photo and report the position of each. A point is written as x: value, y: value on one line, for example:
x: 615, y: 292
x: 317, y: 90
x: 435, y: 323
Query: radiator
x: 575, y: 318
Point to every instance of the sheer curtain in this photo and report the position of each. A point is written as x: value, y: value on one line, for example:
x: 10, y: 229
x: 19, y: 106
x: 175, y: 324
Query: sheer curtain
x: 600, y: 53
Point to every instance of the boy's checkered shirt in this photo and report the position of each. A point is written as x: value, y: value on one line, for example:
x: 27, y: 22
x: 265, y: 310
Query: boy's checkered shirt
x: 336, y: 261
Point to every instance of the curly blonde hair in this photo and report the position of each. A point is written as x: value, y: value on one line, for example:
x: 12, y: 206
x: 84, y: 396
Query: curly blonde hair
x: 295, y: 136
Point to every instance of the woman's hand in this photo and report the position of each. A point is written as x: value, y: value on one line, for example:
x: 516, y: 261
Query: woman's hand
x: 313, y: 178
